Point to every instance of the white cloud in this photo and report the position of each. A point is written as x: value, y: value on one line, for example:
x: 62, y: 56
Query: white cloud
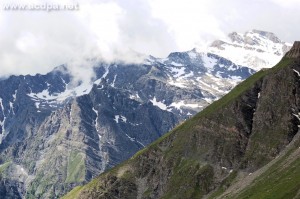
x: 37, y: 41
x: 287, y: 3
x: 190, y: 22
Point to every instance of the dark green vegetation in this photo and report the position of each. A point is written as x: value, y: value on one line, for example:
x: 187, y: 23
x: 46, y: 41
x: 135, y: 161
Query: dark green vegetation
x: 245, y: 145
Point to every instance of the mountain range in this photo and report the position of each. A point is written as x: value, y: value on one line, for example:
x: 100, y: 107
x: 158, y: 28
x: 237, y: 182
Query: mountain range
x: 245, y: 145
x: 56, y: 134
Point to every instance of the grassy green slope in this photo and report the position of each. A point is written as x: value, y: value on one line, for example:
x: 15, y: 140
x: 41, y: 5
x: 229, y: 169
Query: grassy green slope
x: 280, y: 180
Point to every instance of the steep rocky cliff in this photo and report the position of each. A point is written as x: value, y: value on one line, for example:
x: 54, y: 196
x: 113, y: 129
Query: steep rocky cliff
x: 245, y: 145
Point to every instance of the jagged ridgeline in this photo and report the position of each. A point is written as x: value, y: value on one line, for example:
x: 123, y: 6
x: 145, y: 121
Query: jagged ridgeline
x: 245, y: 145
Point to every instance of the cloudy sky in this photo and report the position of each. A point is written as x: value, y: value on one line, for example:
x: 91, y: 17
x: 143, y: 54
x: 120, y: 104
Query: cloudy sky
x: 35, y: 41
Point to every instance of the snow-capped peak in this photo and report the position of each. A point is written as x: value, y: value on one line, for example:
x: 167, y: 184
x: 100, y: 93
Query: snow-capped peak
x: 255, y: 49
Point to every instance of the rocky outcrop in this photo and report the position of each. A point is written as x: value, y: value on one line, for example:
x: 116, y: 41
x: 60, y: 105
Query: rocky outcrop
x: 236, y: 135
x: 295, y: 51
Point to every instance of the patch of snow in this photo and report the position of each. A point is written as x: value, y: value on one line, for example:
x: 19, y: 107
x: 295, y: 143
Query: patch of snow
x: 180, y: 104
x: 208, y: 100
x: 177, y: 72
x: 70, y: 113
x: 179, y: 84
x: 136, y: 96
x: 297, y: 116
x: 131, y: 139
x: 11, y: 106
x: 103, y: 76
x: 1, y: 106
x: 231, y: 67
x: 176, y: 64
x: 63, y: 81
x: 15, y: 95
x: 113, y: 84
x: 96, y: 120
x: 81, y: 89
x: 97, y: 82
x: 37, y: 105
x: 140, y: 143
x: 191, y: 74
x: 120, y: 117
x: 296, y: 72
x: 117, y: 118
x: 106, y: 72
x: 134, y: 124
x: 134, y: 140
x: 2, y: 123
x: 219, y: 75
x: 204, y: 83
x: 159, y: 104
x: 209, y: 62
x: 236, y: 78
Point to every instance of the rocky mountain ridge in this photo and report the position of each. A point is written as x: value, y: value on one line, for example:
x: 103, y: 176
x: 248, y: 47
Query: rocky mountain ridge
x: 220, y: 147
x: 55, y: 135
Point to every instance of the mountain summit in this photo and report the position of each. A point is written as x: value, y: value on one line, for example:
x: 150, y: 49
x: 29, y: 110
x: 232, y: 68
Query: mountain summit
x: 245, y: 145
x: 256, y: 49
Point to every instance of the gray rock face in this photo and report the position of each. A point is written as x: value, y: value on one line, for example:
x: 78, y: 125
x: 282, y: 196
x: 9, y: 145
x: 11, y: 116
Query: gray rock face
x: 295, y: 51
x: 9, y: 189
x: 54, y: 137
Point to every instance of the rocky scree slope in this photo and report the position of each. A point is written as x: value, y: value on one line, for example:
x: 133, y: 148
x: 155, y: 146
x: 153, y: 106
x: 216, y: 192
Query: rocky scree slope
x: 253, y: 129
x: 56, y: 134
